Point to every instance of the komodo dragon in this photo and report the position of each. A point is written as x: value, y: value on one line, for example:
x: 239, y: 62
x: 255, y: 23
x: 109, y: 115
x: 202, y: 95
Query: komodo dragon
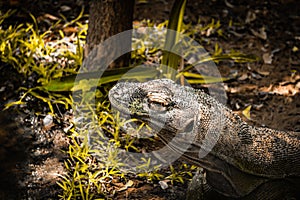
x: 238, y: 158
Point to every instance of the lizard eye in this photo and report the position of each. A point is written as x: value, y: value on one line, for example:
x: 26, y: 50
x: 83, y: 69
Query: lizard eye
x: 157, y: 106
x: 158, y: 101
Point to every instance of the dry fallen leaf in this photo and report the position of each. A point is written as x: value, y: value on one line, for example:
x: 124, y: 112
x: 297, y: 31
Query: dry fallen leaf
x: 251, y: 16
x: 268, y: 58
x: 264, y: 73
x: 243, y: 77
x: 295, y: 49
x: 261, y: 33
x: 163, y: 184
x: 127, y: 185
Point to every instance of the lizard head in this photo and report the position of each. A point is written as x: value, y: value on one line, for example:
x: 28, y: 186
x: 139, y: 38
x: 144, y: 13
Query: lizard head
x: 161, y: 103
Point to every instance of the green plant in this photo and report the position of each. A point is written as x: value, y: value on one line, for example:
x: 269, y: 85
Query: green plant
x: 149, y: 173
x: 172, y: 38
x: 86, y: 178
x: 47, y: 57
x: 90, y: 170
x: 183, y: 173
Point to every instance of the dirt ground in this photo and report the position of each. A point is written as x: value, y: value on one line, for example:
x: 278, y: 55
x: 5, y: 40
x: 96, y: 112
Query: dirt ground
x: 30, y: 153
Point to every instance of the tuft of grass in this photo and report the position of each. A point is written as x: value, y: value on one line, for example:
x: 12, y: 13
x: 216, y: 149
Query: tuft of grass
x: 90, y: 170
x: 182, y: 174
x: 40, y: 55
x: 149, y: 173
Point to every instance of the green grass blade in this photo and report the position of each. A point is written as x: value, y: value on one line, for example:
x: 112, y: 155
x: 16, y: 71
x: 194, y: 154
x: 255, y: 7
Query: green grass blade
x: 90, y: 79
x: 172, y: 37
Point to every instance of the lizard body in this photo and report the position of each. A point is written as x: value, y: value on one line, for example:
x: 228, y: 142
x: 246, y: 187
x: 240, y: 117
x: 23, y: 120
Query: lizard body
x: 238, y: 157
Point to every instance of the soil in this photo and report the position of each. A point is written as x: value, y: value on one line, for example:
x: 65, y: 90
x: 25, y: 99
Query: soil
x: 31, y: 153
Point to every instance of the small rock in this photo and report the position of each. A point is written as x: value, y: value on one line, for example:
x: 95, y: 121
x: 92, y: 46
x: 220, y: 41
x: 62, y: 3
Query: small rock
x: 163, y: 184
x: 48, y: 120
x: 243, y: 77
x: 268, y: 58
x: 65, y: 8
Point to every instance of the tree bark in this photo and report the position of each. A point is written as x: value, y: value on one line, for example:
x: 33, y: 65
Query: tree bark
x: 107, y: 18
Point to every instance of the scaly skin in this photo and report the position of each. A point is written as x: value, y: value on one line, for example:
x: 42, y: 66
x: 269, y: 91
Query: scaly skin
x: 210, y: 135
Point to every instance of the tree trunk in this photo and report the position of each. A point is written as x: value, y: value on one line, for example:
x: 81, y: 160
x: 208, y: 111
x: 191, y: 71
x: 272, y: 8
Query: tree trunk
x: 107, y: 18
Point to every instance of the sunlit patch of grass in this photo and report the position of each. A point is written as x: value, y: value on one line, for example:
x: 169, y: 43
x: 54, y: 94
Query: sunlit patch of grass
x: 90, y: 170
x: 96, y: 156
x: 43, y: 55
x: 214, y: 28
x: 87, y: 178
x: 95, y: 153
x: 151, y: 54
x: 182, y: 174
x: 150, y: 174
